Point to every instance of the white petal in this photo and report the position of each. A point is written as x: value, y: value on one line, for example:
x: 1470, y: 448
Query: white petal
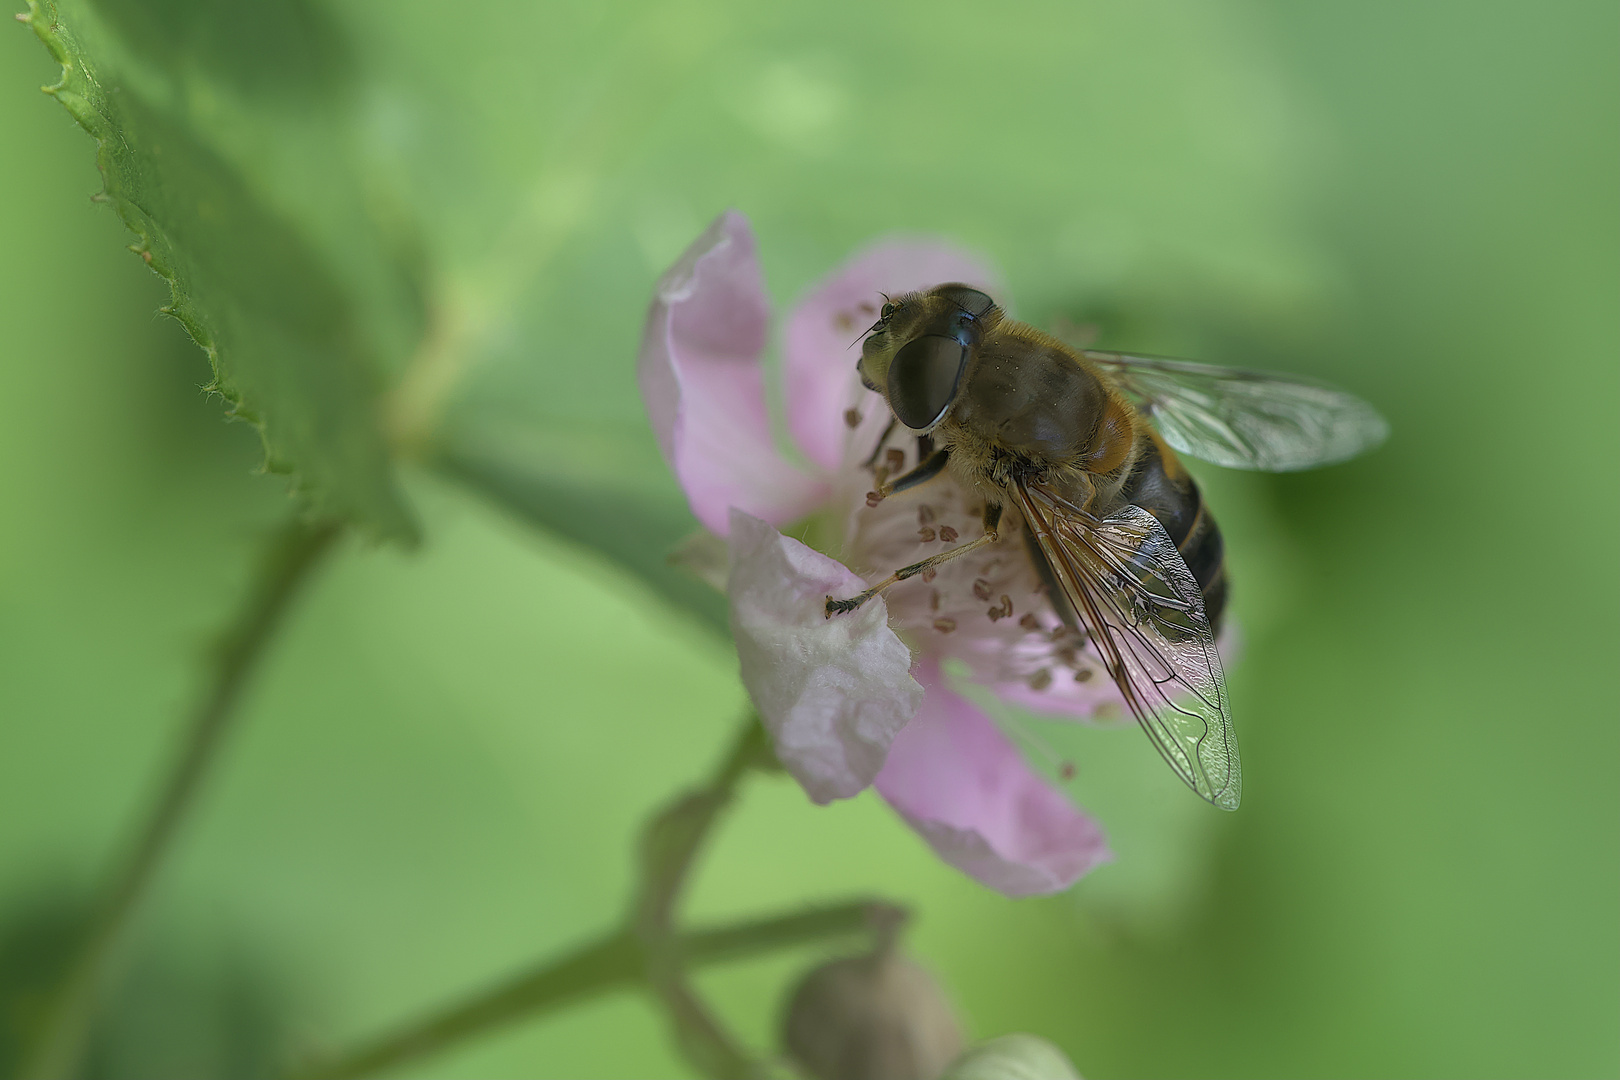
x: 832, y: 692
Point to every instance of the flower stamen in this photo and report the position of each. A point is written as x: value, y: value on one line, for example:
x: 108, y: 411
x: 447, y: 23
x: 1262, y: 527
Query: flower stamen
x: 926, y: 567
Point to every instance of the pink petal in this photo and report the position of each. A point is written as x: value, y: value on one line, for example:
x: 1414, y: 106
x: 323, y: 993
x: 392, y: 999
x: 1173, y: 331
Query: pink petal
x: 962, y: 784
x: 832, y: 692
x: 1006, y: 672
x: 819, y: 362
x: 701, y: 381
x: 1061, y: 696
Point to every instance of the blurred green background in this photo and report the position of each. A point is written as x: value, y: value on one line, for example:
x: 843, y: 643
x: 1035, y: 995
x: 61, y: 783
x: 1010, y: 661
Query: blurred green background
x: 438, y: 776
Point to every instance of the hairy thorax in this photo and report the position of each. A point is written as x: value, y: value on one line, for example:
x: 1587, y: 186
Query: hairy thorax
x: 1030, y: 409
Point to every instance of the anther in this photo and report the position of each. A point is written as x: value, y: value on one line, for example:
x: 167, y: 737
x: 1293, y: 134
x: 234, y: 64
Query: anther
x: 1029, y: 622
x: 1040, y: 680
x: 844, y: 322
x: 945, y: 625
x: 1066, y: 770
x: 852, y: 418
x: 981, y: 589
x: 896, y: 458
x: 929, y: 574
x: 925, y: 515
x: 947, y: 534
x: 925, y: 534
x: 933, y: 600
x: 1083, y: 675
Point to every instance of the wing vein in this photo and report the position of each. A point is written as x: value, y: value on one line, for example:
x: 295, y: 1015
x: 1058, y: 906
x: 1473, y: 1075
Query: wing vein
x: 1144, y: 615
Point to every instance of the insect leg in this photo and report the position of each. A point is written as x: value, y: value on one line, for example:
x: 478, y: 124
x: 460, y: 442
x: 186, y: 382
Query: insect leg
x: 878, y: 449
x: 927, y: 469
x: 992, y: 518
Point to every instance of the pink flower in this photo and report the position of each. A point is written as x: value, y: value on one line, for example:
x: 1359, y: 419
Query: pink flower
x: 861, y: 699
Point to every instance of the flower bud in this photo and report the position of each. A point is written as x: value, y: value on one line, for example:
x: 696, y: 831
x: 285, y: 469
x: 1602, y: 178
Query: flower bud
x: 875, y: 1017
x: 1012, y: 1057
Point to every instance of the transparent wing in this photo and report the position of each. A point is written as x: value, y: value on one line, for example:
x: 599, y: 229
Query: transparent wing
x: 1145, y: 615
x: 1246, y: 419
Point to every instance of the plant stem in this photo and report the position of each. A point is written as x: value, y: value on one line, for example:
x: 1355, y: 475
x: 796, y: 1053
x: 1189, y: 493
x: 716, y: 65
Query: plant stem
x: 671, y: 840
x: 614, y: 962
x: 669, y: 845
x: 293, y: 552
x: 647, y: 951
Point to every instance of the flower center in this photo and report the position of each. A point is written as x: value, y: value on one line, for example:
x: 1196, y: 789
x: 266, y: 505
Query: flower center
x: 989, y: 608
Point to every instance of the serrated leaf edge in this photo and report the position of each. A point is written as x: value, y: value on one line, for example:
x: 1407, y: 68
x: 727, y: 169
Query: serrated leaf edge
x: 80, y: 106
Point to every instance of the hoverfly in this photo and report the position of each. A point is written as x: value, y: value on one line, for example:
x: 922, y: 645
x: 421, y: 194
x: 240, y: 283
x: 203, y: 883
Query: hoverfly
x: 1082, y: 445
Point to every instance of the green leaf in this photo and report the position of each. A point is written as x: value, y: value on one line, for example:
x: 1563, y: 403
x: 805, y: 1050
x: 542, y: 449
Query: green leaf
x: 221, y: 135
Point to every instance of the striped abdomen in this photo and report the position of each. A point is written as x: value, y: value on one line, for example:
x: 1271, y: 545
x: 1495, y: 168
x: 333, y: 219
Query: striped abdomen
x: 1159, y: 485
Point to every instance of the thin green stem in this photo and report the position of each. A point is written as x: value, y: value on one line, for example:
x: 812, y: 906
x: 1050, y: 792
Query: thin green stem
x: 669, y: 846
x: 647, y: 951
x: 608, y: 963
x: 672, y: 839
x: 291, y: 555
x: 614, y: 962
x: 876, y: 918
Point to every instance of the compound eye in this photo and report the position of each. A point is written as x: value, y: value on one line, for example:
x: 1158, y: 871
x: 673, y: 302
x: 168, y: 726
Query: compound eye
x: 923, y: 379
x: 969, y: 299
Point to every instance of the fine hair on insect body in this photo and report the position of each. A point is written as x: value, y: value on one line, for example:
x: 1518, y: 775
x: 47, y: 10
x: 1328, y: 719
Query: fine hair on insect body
x: 1080, y: 447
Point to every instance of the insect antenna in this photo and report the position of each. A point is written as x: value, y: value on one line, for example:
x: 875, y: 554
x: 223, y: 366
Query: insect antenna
x: 869, y: 329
